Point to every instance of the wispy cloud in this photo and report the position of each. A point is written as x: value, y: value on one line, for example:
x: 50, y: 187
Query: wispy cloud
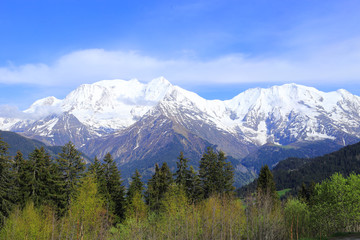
x: 330, y: 63
x: 11, y: 111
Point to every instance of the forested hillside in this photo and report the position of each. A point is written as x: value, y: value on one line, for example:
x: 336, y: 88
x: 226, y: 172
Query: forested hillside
x: 293, y: 172
x: 45, y: 197
x: 17, y: 142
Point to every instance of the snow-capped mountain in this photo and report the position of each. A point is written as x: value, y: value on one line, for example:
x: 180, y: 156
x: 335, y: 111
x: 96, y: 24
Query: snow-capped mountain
x: 134, y: 121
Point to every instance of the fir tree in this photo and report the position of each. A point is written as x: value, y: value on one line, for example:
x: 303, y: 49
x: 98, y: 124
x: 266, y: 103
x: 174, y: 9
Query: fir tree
x: 306, y: 192
x: 112, y: 188
x: 166, y: 178
x: 207, y: 173
x: 7, y: 190
x: 41, y: 178
x: 193, y: 183
x: 266, y: 185
x: 215, y: 173
x: 136, y: 186
x: 158, y: 186
x: 71, y: 167
x: 19, y: 164
x: 227, y: 175
x: 182, y: 172
x: 152, y: 194
x: 95, y: 168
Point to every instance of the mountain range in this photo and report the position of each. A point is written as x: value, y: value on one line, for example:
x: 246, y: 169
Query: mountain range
x: 141, y: 124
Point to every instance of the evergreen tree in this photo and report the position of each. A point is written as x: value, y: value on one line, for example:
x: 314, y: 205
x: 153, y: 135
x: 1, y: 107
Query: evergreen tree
x: 306, y: 192
x: 266, y: 185
x: 39, y: 180
x: 7, y: 190
x: 194, y: 190
x: 136, y: 186
x: 152, y: 194
x: 166, y: 178
x: 182, y: 172
x: 136, y: 207
x: 215, y: 173
x: 158, y: 186
x: 95, y: 168
x: 113, y: 190
x: 226, y: 172
x: 208, y: 172
x: 18, y: 167
x: 23, y: 176
x: 71, y: 167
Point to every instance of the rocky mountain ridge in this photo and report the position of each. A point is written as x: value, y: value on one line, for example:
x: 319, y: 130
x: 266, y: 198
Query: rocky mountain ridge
x: 136, y: 121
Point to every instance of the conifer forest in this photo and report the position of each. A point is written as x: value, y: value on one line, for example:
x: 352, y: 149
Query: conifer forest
x: 45, y: 197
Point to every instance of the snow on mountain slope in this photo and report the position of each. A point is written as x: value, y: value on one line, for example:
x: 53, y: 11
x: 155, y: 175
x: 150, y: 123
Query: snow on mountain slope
x: 106, y: 105
x: 280, y: 114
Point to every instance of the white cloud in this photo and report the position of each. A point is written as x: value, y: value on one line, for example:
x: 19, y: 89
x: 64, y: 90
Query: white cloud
x: 11, y: 111
x: 326, y: 64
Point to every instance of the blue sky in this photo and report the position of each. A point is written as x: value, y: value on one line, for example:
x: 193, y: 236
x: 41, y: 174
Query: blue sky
x: 215, y: 48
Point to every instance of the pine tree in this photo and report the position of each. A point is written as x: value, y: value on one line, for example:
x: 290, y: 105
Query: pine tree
x: 113, y: 190
x: 7, y: 190
x: 71, y: 167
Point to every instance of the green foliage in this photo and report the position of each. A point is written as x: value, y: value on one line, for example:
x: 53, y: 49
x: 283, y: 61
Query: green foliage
x: 71, y: 168
x: 291, y: 173
x: 264, y: 219
x: 297, y: 218
x: 306, y: 193
x: 86, y: 217
x: 174, y: 210
x: 222, y: 217
x: 336, y: 205
x: 182, y: 172
x: 95, y: 169
x: 112, y: 189
x: 215, y: 173
x: 7, y: 183
x: 136, y: 207
x: 158, y: 186
x: 18, y: 143
x: 188, y: 179
x: 194, y: 189
x: 271, y: 154
x: 136, y: 187
x: 40, y: 178
x: 30, y: 223
x: 283, y: 192
x: 266, y: 184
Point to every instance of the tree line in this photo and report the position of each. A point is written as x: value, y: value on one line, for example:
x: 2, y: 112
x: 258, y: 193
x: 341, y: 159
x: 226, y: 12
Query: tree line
x: 41, y: 180
x: 59, y: 198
